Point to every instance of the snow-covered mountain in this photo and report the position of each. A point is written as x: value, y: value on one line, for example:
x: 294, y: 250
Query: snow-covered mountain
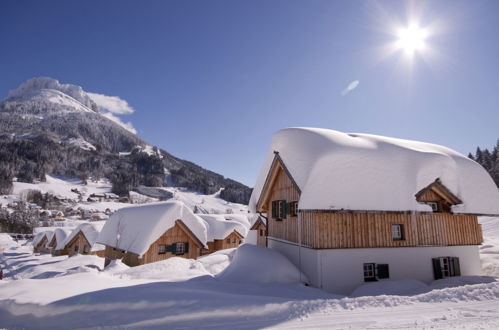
x: 51, y: 128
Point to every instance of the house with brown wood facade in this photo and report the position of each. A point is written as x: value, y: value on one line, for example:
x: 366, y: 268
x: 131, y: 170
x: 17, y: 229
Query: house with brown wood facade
x: 39, y: 242
x: 260, y: 228
x: 83, y: 240
x: 153, y: 232
x: 353, y: 208
x: 224, y: 231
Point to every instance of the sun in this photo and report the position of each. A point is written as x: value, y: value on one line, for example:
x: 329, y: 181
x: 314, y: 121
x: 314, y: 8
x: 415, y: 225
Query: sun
x: 412, y: 39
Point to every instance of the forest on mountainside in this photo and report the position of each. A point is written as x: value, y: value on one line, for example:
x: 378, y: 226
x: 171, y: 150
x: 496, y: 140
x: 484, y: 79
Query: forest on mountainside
x: 489, y: 159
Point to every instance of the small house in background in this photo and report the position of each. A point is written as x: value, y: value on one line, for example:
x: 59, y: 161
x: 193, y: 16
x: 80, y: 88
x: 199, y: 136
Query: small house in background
x: 82, y: 240
x: 223, y: 232
x: 354, y: 208
x: 260, y: 227
x: 47, y: 248
x: 39, y: 242
x: 153, y: 232
x: 57, y: 243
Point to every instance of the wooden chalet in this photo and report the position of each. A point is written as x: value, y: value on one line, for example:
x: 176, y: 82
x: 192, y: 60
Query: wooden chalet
x: 177, y: 241
x: 153, y: 232
x: 260, y: 228
x: 82, y: 240
x: 355, y: 243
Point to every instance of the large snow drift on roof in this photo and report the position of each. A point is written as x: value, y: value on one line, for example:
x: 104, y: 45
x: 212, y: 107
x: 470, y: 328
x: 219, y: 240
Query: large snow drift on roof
x: 135, y: 228
x: 337, y: 171
x: 60, y: 237
x: 220, y: 226
x: 91, y: 232
x: 258, y: 264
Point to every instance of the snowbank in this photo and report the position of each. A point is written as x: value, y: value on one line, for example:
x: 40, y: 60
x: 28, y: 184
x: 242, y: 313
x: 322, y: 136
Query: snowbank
x: 6, y: 242
x: 172, y: 269
x: 135, y: 228
x: 391, y: 287
x: 337, y: 171
x: 257, y: 264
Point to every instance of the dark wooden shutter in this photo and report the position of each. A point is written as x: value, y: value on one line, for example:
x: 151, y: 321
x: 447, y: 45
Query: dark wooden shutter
x: 383, y: 271
x: 437, y: 269
x: 282, y: 210
x: 274, y: 209
x: 456, y: 266
x: 186, y: 247
x: 170, y: 248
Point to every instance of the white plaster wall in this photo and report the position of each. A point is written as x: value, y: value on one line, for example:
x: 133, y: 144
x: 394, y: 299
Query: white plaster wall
x: 341, y: 270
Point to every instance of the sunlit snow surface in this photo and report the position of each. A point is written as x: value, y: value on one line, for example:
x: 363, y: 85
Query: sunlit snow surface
x: 41, y: 291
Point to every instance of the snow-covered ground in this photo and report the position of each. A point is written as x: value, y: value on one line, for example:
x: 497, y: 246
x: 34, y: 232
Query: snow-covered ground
x: 237, y: 289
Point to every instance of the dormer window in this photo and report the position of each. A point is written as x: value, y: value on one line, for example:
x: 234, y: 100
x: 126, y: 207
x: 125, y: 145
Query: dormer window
x: 438, y: 197
x: 433, y: 205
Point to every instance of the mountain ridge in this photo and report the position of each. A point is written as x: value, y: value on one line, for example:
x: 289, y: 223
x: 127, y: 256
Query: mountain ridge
x: 53, y: 128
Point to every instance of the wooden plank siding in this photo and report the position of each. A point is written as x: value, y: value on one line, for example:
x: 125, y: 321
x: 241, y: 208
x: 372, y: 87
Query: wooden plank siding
x: 176, y: 234
x: 283, y: 189
x: 329, y: 229
x: 339, y: 230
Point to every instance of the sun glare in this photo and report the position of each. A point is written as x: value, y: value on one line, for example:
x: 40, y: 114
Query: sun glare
x: 411, y: 39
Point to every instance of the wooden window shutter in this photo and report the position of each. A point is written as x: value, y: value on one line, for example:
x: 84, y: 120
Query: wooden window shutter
x: 186, y: 247
x: 383, y: 271
x: 170, y: 248
x: 282, y: 209
x: 456, y: 266
x: 274, y: 209
x: 437, y: 268
x: 288, y: 208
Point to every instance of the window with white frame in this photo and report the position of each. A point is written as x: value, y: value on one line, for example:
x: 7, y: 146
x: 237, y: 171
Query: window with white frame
x: 162, y: 249
x: 397, y: 232
x: 369, y: 272
x: 179, y: 248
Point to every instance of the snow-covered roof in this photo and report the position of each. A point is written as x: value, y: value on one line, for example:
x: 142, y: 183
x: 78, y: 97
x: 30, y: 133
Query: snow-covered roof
x: 135, y: 228
x: 38, y: 237
x: 60, y: 237
x: 50, y: 235
x: 336, y: 170
x: 91, y: 232
x: 219, y: 226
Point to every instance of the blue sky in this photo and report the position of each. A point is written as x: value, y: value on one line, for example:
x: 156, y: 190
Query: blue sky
x: 211, y: 81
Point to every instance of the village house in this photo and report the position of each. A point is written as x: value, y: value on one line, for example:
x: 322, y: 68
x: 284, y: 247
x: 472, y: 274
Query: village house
x: 57, y: 245
x: 223, y: 232
x: 147, y: 233
x: 82, y: 240
x: 353, y: 208
x: 260, y: 227
x: 40, y: 241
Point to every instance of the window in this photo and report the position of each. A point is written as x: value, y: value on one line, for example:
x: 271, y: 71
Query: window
x: 233, y: 240
x: 86, y: 249
x: 446, y: 267
x: 293, y: 209
x: 369, y: 274
x: 279, y: 210
x: 261, y: 232
x: 180, y: 248
x: 398, y: 232
x: 76, y: 248
x: 162, y: 249
x: 374, y: 272
x: 228, y: 240
x: 434, y: 206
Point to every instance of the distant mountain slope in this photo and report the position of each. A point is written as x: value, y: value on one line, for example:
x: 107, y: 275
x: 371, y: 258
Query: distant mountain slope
x: 52, y: 128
